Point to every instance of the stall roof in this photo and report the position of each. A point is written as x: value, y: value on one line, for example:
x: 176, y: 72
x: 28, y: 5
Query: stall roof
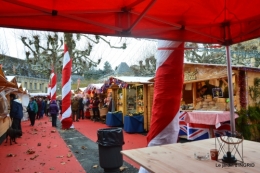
x: 82, y: 89
x: 92, y: 86
x: 4, y: 83
x: 134, y: 79
x: 38, y: 94
x: 12, y: 79
x: 234, y: 67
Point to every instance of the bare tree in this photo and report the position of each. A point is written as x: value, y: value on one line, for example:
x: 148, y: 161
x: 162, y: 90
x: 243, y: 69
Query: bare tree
x: 46, y: 51
x: 245, y: 53
x: 145, y: 69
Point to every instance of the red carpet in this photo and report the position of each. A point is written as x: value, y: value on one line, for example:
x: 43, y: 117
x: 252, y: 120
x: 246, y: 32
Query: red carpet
x: 53, y: 155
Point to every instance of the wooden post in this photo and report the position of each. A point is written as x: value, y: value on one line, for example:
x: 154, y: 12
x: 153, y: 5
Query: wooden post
x: 194, y: 94
x: 124, y: 101
x: 114, y: 88
x: 145, y: 106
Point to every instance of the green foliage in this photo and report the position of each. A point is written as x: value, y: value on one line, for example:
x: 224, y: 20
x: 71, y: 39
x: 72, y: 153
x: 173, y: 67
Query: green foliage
x: 107, y: 67
x: 94, y: 74
x: 248, y: 123
x: 254, y: 91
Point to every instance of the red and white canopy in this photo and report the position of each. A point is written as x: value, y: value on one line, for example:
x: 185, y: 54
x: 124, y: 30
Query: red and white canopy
x: 223, y: 21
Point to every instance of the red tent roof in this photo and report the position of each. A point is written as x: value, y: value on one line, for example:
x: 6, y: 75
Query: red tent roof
x: 206, y: 21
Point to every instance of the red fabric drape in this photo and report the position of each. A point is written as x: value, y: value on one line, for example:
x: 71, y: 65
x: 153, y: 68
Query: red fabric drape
x: 167, y: 92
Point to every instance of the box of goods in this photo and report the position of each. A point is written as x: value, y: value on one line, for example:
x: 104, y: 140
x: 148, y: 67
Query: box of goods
x: 209, y: 96
x: 198, y: 106
x: 221, y: 106
x: 211, y: 103
x: 204, y: 106
x: 221, y: 100
x: 208, y: 99
x: 205, y: 103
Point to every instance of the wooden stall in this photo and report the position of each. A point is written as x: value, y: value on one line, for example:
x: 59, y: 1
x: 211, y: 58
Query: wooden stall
x: 5, y: 88
x: 90, y: 91
x: 215, y: 78
x: 131, y: 96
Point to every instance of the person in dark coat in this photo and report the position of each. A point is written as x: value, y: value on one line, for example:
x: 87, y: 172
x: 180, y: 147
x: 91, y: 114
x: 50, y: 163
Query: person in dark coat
x: 81, y: 108
x: 46, y: 106
x: 43, y: 108
x: 16, y: 112
x: 75, y: 108
x: 54, y: 110
x: 95, y: 108
x: 32, y: 109
x: 39, y: 103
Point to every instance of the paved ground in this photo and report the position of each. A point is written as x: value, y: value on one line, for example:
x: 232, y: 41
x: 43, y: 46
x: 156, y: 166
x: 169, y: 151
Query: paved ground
x: 64, y: 151
x: 86, y: 152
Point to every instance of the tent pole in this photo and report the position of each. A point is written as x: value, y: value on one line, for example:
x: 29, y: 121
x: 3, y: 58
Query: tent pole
x: 230, y: 91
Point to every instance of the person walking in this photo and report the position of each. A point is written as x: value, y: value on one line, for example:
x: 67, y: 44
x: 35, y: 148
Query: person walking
x: 32, y: 109
x: 75, y: 109
x: 54, y: 110
x: 43, y: 108
x: 16, y: 112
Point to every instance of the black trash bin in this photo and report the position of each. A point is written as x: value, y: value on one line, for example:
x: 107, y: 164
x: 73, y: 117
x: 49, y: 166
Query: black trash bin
x: 110, y: 142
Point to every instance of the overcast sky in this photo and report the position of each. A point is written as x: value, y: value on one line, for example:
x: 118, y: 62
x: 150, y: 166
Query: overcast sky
x: 137, y: 49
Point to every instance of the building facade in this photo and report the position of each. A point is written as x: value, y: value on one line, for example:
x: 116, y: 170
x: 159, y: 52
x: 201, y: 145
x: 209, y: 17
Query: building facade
x: 32, y: 81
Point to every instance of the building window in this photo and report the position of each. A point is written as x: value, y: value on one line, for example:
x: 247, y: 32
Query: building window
x: 25, y: 85
x: 35, y: 86
x: 46, y: 89
x: 30, y: 85
x: 40, y: 86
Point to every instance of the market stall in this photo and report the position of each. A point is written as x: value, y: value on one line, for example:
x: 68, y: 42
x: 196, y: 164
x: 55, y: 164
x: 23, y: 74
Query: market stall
x: 90, y: 91
x: 5, y: 88
x: 214, y: 79
x: 131, y: 96
x: 205, y: 90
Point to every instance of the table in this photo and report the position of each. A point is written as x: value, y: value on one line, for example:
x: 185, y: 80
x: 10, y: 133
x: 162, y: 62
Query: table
x: 199, y: 125
x: 114, y: 119
x: 179, y: 158
x: 134, y: 124
x: 207, y: 117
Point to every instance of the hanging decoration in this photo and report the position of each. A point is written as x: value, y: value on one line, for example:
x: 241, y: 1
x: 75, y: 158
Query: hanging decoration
x: 111, y: 81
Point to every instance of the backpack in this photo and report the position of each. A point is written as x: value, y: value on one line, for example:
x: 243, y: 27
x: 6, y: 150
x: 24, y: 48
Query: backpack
x: 30, y: 107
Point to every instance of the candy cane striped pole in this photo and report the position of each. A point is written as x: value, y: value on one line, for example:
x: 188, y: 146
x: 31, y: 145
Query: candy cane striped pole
x: 66, y: 119
x: 49, y: 90
x: 53, y: 85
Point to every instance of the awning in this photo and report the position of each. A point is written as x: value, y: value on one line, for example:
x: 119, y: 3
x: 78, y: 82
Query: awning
x: 222, y: 22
